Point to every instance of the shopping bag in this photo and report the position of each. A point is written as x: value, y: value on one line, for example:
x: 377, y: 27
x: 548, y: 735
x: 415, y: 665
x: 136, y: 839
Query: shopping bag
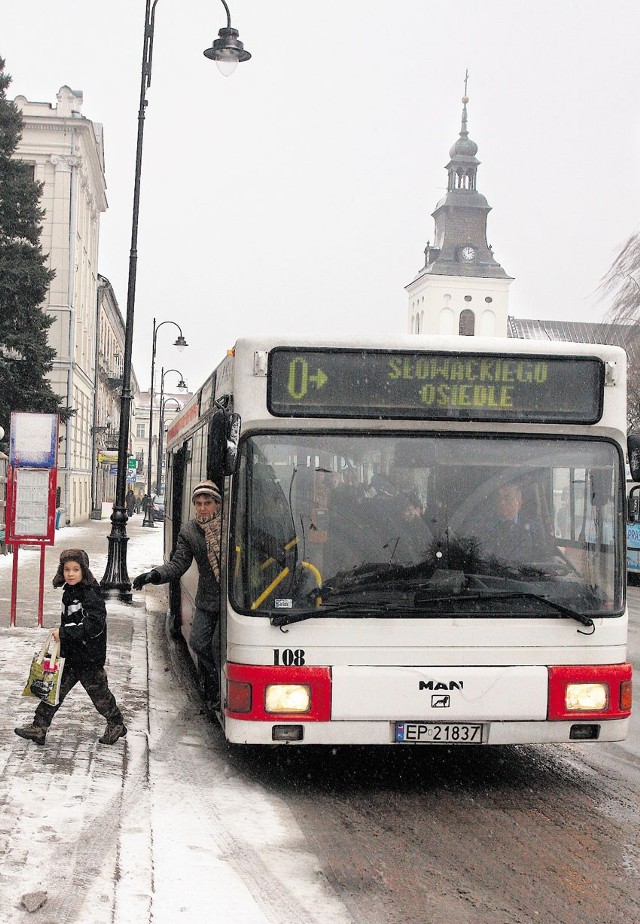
x: 46, y: 673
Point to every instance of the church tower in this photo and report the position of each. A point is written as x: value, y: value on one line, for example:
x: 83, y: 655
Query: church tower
x: 461, y: 288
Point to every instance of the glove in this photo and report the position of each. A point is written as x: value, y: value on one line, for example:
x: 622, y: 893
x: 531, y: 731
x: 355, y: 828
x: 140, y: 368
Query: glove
x: 147, y: 577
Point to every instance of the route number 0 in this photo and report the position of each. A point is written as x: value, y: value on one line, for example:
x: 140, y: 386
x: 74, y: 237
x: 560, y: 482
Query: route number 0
x: 298, y: 384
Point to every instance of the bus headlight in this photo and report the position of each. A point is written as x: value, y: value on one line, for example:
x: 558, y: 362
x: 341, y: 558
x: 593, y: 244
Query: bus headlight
x: 287, y: 698
x: 587, y: 697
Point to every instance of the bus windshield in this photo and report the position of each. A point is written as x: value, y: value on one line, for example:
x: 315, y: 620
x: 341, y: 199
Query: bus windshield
x: 435, y: 525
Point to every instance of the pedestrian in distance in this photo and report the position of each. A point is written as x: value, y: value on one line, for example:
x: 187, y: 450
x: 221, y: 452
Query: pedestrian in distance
x: 130, y: 501
x: 83, y: 644
x: 199, y: 538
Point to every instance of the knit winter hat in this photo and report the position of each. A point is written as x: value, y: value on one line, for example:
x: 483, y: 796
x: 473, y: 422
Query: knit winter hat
x: 79, y: 556
x: 208, y: 488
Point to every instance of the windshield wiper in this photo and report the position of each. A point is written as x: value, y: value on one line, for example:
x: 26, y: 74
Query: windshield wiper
x: 517, y: 595
x: 384, y: 607
x: 366, y: 577
x: 328, y: 609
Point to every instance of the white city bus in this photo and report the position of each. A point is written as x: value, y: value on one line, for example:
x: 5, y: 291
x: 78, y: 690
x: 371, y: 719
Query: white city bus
x: 423, y: 540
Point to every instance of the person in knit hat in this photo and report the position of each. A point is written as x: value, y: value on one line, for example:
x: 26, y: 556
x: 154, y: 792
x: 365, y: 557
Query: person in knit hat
x: 83, y: 644
x: 199, y: 538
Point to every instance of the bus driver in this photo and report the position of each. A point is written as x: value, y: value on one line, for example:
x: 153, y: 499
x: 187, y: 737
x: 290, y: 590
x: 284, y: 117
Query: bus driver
x: 509, y: 534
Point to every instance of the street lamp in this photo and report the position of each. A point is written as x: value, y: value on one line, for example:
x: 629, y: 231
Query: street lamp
x: 181, y: 386
x: 227, y: 50
x: 116, y: 578
x: 180, y: 343
x: 163, y: 404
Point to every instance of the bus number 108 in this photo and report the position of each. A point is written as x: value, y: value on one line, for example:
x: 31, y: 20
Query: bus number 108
x: 288, y: 657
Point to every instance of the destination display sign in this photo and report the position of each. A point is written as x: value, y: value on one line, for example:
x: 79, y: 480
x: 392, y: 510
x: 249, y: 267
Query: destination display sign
x: 435, y: 385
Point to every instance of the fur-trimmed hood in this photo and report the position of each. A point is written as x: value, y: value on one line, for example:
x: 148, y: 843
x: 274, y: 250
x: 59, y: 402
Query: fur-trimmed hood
x: 79, y: 556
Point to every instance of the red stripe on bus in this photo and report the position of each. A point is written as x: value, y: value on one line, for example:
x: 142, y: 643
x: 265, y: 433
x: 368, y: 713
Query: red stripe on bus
x: 252, y: 680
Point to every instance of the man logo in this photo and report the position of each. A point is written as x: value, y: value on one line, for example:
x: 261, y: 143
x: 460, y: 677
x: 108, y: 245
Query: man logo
x: 439, y: 685
x: 440, y: 702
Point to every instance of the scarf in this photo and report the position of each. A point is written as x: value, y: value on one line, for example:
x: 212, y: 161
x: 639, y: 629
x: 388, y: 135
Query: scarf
x: 211, y: 529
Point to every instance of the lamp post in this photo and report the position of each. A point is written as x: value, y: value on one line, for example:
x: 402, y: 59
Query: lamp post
x: 96, y: 495
x: 225, y: 49
x: 163, y: 404
x: 180, y: 343
x: 182, y: 385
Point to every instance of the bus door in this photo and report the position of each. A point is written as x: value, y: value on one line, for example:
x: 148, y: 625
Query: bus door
x: 633, y: 535
x: 175, y: 488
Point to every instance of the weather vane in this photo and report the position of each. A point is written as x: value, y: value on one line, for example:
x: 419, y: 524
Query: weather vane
x: 466, y: 78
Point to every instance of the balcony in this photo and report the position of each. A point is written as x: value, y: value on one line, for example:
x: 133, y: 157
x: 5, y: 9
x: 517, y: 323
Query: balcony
x: 111, y: 437
x: 106, y: 437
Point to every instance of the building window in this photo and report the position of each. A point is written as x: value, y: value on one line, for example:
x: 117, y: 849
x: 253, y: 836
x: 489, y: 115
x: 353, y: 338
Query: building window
x: 467, y: 324
x: 29, y: 169
x: 141, y: 431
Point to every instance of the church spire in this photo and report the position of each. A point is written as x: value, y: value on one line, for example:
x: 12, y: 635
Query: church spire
x: 461, y: 289
x: 460, y: 245
x: 463, y: 166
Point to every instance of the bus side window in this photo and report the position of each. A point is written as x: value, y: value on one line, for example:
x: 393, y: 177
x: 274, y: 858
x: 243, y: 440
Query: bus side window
x: 563, y: 516
x: 266, y: 551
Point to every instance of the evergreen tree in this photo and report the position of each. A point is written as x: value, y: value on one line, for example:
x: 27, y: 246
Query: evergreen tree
x: 25, y: 356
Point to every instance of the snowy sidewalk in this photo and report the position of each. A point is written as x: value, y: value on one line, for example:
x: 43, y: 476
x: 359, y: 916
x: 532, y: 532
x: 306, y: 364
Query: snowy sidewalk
x: 160, y: 827
x: 75, y: 814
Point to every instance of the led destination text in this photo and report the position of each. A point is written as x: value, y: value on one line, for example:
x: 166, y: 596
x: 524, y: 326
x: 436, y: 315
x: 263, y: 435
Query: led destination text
x: 434, y: 386
x: 471, y: 396
x: 471, y: 374
x: 468, y: 370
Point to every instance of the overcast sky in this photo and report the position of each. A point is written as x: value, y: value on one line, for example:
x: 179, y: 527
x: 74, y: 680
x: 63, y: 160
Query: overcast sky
x: 296, y: 195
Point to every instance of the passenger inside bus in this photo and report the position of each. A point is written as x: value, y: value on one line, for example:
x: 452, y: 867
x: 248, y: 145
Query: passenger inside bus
x: 403, y: 533
x: 373, y: 525
x: 348, y: 489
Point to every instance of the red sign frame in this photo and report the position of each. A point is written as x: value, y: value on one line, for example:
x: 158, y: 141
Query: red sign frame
x: 22, y: 494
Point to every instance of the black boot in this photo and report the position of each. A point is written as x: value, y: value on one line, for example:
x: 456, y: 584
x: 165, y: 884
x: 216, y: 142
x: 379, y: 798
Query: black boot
x: 32, y: 733
x: 112, y: 733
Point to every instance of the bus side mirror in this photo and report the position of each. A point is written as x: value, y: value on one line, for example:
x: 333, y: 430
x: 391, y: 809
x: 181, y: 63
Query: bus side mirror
x: 222, y: 445
x: 633, y: 450
x: 233, y: 435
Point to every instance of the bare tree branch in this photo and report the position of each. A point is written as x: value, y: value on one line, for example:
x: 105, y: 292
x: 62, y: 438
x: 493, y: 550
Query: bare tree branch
x: 621, y: 283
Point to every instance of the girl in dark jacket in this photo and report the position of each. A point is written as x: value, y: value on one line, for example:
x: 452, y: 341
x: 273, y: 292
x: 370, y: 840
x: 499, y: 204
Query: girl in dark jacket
x: 83, y: 642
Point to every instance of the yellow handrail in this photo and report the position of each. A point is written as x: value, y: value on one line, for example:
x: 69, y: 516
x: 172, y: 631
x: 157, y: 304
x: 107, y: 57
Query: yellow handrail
x: 280, y: 577
x: 272, y: 586
x: 271, y: 561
